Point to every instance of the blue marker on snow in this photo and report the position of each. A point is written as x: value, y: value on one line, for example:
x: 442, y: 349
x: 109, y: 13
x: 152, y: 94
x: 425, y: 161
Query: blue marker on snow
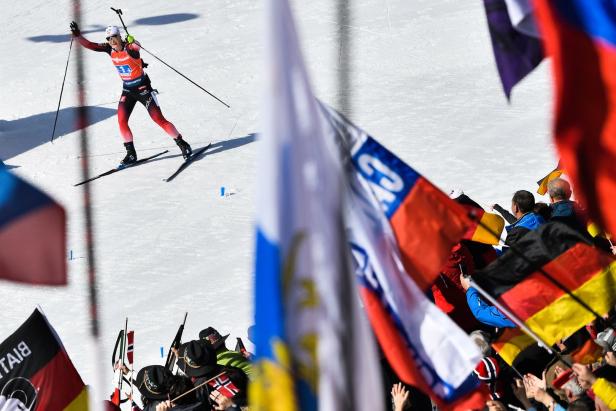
x: 162, y: 352
x: 222, y: 191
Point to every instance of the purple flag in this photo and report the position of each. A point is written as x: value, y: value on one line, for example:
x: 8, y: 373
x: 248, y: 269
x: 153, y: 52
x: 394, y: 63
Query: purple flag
x: 516, y: 54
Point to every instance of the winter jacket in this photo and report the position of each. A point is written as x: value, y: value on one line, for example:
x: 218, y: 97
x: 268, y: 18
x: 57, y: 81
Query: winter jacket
x: 486, y: 313
x: 606, y: 391
x: 530, y: 221
x: 230, y: 358
x: 570, y: 213
x: 526, y: 223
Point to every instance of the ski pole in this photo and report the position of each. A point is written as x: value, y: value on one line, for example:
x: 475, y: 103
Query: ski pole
x: 119, y: 13
x: 153, y: 55
x: 53, y: 132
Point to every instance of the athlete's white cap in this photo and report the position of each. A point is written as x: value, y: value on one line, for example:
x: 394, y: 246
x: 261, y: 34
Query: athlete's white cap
x: 112, y: 31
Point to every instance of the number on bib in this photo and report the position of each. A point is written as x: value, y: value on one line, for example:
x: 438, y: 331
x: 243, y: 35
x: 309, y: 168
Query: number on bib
x: 123, y: 70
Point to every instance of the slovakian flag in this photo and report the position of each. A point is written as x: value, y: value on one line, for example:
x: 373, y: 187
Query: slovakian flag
x: 313, y: 345
x: 425, y: 221
x: 545, y: 308
x: 516, y: 53
x: 422, y: 344
x: 580, y: 36
x: 32, y: 234
x: 553, y: 175
x: 35, y: 367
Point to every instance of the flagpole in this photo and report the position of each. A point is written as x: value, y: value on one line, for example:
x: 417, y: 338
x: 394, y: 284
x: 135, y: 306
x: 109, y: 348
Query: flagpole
x: 344, y: 57
x: 517, y: 321
x: 540, y: 270
x: 82, y: 123
x: 347, y: 334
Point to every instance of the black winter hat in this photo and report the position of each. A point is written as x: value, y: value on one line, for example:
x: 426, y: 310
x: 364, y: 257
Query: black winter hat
x: 211, y: 335
x: 153, y: 382
x: 196, y: 358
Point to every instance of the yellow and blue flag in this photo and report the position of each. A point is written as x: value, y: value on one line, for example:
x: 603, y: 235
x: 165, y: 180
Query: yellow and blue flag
x: 313, y: 347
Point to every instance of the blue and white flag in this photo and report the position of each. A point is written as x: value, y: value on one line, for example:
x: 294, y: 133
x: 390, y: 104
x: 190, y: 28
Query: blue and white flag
x: 313, y: 348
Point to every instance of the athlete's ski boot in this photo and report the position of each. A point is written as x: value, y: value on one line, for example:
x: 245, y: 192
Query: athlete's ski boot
x: 131, y: 155
x: 184, y: 146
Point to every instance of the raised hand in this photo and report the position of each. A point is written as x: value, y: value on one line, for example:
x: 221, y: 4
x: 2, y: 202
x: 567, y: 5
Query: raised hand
x: 74, y: 28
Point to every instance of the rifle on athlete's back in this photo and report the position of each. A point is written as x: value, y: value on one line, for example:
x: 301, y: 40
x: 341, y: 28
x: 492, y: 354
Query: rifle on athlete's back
x: 175, y: 344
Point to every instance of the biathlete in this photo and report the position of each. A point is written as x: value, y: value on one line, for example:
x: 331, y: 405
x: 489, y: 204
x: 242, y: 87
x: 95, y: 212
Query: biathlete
x: 136, y: 87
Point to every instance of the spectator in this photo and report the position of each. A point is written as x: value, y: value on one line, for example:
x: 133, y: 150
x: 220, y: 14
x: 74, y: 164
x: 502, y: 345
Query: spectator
x: 224, y: 356
x: 562, y: 208
x: 197, y: 359
x: 153, y: 382
x: 602, y: 388
x: 448, y: 293
x: 523, y: 219
x: 400, y: 397
x: 543, y: 210
x: 482, y: 311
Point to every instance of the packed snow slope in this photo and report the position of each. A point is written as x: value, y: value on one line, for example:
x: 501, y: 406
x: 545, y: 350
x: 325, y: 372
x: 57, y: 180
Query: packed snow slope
x: 424, y: 84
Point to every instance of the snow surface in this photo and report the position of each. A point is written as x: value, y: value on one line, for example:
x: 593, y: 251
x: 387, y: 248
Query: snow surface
x: 424, y: 84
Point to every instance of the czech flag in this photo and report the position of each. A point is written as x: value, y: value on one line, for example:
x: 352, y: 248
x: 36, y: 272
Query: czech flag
x: 580, y: 35
x: 32, y: 234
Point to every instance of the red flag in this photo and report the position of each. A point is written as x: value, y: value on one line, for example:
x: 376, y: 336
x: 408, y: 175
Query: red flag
x: 580, y: 37
x: 130, y: 345
x: 224, y: 385
x: 32, y: 234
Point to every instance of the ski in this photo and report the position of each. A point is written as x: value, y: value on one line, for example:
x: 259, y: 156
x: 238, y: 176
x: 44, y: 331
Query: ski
x: 115, y: 170
x: 187, y: 162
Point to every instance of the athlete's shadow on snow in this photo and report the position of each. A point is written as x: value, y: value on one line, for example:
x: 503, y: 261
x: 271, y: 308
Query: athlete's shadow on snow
x: 216, y: 148
x: 21, y: 135
x: 146, y: 21
x: 165, y: 19
x: 63, y: 38
x: 221, y: 146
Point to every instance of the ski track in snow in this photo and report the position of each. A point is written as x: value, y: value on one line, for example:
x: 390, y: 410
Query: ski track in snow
x: 425, y: 85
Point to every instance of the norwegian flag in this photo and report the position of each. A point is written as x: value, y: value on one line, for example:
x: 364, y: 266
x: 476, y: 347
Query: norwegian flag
x: 224, y: 385
x: 130, y: 338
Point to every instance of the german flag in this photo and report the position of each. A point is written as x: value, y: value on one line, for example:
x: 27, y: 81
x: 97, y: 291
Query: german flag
x: 554, y: 174
x: 545, y: 308
x: 34, y: 364
x: 486, y: 227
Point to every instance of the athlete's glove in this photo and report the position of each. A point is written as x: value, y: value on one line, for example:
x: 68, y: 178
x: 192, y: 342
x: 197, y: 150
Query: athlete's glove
x: 75, y: 29
x: 130, y: 39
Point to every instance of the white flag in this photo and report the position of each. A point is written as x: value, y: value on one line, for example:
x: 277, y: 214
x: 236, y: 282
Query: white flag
x: 312, y: 349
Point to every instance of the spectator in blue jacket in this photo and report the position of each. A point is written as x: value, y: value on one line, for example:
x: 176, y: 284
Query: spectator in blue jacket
x: 523, y: 219
x: 484, y: 312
